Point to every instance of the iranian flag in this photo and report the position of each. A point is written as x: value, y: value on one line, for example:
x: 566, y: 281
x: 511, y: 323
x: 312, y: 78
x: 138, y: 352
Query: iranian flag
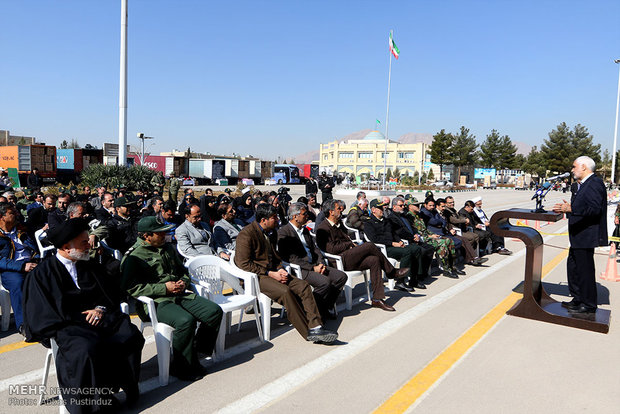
x: 393, y: 47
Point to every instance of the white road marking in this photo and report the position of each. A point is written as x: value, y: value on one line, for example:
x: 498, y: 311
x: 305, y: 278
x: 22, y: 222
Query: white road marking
x: 298, y: 377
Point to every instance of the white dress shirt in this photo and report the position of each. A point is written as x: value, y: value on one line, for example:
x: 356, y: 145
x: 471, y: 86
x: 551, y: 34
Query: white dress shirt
x: 70, y: 266
x: 300, y: 234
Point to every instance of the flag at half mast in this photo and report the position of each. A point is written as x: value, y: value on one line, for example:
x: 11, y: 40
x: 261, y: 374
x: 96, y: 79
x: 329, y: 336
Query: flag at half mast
x: 393, y: 49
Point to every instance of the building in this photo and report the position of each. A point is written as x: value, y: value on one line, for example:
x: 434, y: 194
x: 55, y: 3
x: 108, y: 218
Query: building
x: 6, y: 139
x: 366, y: 157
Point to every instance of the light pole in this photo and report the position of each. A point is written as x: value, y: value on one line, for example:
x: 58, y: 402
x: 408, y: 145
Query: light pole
x: 613, y: 156
x: 142, y: 137
x: 122, y: 99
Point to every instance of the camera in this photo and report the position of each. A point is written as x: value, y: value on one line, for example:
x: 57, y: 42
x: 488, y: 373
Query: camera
x: 283, y: 190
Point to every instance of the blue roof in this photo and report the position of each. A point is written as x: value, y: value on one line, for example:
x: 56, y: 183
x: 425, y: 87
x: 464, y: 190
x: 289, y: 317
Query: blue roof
x: 375, y: 135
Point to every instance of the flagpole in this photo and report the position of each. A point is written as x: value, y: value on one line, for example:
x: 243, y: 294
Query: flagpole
x: 387, y: 119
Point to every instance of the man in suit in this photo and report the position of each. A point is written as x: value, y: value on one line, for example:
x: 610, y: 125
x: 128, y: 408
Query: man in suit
x: 194, y: 237
x: 332, y: 237
x: 296, y: 245
x: 587, y: 229
x: 326, y: 184
x: 106, y: 212
x: 256, y: 253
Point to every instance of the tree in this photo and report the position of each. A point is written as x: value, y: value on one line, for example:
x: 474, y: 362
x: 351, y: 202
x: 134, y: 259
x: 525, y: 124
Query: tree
x: 605, y: 167
x: 534, y: 163
x: 424, y: 178
x: 64, y: 144
x: 416, y: 177
x: 74, y: 144
x: 431, y: 175
x: 507, y: 155
x: 564, y: 145
x: 396, y: 173
x: 490, y: 150
x: 440, y: 149
x: 463, y: 151
x: 88, y: 146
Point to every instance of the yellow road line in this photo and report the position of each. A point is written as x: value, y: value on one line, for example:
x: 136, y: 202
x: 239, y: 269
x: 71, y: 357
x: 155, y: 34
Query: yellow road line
x: 417, y: 386
x: 15, y: 345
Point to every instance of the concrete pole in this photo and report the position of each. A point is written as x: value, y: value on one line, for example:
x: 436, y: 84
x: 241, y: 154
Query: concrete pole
x: 613, y: 155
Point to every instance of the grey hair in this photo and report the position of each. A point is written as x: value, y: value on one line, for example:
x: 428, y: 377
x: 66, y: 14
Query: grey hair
x: 296, y: 208
x: 330, y: 205
x: 360, y: 194
x: 396, y: 199
x: 73, y: 207
x: 586, y: 162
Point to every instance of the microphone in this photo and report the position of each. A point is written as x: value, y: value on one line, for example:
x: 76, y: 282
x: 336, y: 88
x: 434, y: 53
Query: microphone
x: 558, y: 177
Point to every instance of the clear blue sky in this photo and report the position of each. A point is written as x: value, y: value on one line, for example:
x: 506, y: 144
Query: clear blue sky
x: 278, y: 77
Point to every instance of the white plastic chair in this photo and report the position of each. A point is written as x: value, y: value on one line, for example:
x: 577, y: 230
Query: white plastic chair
x: 295, y: 270
x: 5, y: 305
x: 183, y: 255
x: 355, y: 231
x: 39, y: 235
x: 252, y: 287
x: 209, y: 274
x: 394, y: 262
x: 348, y: 287
x: 163, y: 339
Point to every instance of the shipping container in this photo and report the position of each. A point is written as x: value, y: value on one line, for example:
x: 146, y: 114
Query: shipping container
x: 178, y: 165
x: 266, y: 170
x: 152, y: 162
x: 27, y: 157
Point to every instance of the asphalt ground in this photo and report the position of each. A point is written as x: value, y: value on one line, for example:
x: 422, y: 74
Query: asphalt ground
x: 447, y: 349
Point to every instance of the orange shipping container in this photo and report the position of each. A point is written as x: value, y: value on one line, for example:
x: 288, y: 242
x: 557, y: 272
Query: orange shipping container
x: 26, y: 157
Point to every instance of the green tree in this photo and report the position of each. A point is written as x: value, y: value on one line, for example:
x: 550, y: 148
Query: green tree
x: 582, y: 144
x: 564, y: 145
x: 535, y: 163
x: 64, y: 144
x: 490, y: 150
x: 416, y: 177
x: 463, y: 151
x: 507, y: 155
x: 396, y: 173
x: 605, y: 167
x: 431, y: 175
x: 440, y: 149
x: 424, y: 178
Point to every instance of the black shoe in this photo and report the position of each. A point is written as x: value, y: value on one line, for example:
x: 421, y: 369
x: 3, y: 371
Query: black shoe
x: 402, y: 287
x: 132, y: 393
x: 478, y: 261
x: 582, y: 309
x: 185, y: 373
x: 449, y: 274
x: 459, y: 272
x: 418, y: 285
x: 504, y: 251
x: 572, y: 305
x: 329, y: 314
x: 320, y: 334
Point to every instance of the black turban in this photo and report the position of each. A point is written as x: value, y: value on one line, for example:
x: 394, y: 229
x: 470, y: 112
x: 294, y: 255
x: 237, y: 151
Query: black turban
x: 67, y: 231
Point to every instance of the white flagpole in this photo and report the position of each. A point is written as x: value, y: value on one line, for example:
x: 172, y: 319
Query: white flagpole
x: 122, y: 104
x: 387, y: 116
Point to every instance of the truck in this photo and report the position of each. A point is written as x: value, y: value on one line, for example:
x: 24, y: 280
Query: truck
x: 27, y: 157
x: 152, y: 162
x: 71, y: 162
x: 250, y: 170
x: 308, y: 170
x: 211, y: 170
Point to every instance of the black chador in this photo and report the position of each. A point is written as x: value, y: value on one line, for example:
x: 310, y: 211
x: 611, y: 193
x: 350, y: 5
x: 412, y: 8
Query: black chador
x: 92, y: 361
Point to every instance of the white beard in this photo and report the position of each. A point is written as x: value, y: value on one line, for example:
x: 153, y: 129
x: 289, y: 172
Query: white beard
x: 77, y: 255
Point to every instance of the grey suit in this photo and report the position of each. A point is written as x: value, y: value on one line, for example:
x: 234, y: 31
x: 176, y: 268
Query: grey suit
x: 193, y: 241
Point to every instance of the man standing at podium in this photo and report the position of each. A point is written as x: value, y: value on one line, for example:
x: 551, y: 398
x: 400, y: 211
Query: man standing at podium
x: 587, y: 229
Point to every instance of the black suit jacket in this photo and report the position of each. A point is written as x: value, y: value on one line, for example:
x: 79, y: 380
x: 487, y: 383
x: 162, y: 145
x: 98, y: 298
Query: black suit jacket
x: 587, y: 223
x: 400, y: 229
x: 292, y: 250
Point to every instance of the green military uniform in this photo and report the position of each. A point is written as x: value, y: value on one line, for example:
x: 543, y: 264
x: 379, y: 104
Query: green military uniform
x: 173, y: 189
x: 443, y: 246
x: 158, y: 182
x: 145, y: 271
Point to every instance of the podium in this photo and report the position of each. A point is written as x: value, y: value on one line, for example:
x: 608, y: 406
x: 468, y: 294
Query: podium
x: 536, y: 303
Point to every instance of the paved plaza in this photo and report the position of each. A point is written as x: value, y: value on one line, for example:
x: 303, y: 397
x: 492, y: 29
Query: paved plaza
x: 447, y: 349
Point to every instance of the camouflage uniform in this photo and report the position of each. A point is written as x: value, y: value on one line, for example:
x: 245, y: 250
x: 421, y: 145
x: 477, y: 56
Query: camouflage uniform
x: 443, y: 246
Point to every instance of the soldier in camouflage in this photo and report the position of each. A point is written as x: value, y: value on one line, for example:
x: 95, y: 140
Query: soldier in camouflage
x: 443, y: 246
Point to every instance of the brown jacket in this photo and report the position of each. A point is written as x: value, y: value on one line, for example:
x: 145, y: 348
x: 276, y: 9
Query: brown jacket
x: 255, y: 252
x: 292, y: 250
x: 332, y: 239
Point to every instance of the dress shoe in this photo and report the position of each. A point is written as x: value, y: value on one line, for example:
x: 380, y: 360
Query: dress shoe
x: 478, y: 261
x: 382, y: 305
x: 187, y: 373
x: 582, y: 309
x: 417, y: 285
x: 449, y: 274
x: 504, y: 251
x: 458, y: 272
x: 399, y: 273
x: 572, y: 305
x: 402, y: 287
x: 320, y: 334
